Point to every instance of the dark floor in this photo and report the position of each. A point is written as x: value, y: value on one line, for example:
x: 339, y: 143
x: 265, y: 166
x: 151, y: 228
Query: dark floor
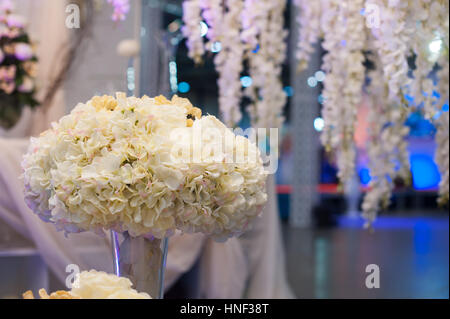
x: 412, y: 254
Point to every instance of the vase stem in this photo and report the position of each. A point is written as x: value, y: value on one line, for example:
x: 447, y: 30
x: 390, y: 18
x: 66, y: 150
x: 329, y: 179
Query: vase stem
x: 142, y: 260
x: 115, y: 252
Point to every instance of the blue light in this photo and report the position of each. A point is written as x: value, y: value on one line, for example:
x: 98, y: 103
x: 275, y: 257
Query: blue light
x: 184, y: 87
x: 256, y: 49
x: 436, y: 94
x: 312, y: 82
x: 246, y: 81
x: 321, y: 99
x: 289, y: 91
x: 409, y: 98
x: 216, y: 47
x: 424, y: 171
x: 320, y: 76
x: 203, y: 28
x: 364, y: 176
x: 319, y: 124
x: 445, y: 107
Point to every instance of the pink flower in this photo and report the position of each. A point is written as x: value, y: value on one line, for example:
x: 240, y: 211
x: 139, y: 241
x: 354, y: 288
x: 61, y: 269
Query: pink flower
x: 23, y: 51
x: 6, y: 6
x: 8, y: 87
x: 15, y: 21
x: 7, y: 73
x: 121, y: 9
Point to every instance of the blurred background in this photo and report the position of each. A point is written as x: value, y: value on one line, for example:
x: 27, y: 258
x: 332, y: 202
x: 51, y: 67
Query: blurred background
x: 327, y: 249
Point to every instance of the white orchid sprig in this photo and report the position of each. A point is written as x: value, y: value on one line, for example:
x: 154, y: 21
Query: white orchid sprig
x: 345, y: 41
x: 308, y: 19
x: 229, y: 64
x: 442, y: 156
x: 192, y: 30
x: 212, y: 13
x: 265, y: 62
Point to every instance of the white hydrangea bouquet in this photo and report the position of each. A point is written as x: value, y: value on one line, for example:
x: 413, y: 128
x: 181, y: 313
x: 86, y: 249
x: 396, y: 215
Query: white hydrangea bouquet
x: 144, y: 168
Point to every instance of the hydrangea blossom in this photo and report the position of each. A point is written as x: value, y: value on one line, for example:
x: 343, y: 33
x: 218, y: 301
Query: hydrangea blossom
x: 116, y: 164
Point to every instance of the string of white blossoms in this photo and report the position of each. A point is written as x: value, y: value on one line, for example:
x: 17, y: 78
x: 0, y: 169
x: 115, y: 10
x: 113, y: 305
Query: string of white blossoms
x: 344, y: 36
x: 118, y: 164
x: 308, y: 19
x: 266, y: 40
x: 212, y: 12
x: 400, y: 30
x: 192, y: 29
x: 385, y: 148
x: 229, y: 63
x: 252, y: 31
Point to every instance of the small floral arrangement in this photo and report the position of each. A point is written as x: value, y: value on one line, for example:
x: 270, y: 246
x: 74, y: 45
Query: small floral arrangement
x: 121, y: 164
x: 17, y: 66
x: 94, y: 285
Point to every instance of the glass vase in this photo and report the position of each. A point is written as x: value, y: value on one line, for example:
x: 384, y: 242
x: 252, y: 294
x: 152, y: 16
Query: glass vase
x: 142, y: 260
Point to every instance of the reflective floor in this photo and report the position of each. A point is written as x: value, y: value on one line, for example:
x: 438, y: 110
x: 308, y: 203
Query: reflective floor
x: 412, y: 254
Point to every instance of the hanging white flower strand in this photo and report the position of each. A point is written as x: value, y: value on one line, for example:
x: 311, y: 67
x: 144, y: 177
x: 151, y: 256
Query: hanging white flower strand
x: 247, y: 30
x: 442, y: 156
x: 229, y: 64
x: 212, y: 12
x: 386, y: 146
x: 192, y: 30
x: 442, y: 122
x: 266, y: 51
x: 309, y: 21
x: 344, y: 41
x: 393, y: 40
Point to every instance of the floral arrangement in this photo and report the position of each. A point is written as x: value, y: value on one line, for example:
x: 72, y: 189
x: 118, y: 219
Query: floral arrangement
x: 249, y: 32
x: 17, y: 66
x: 125, y: 164
x: 385, y: 34
x: 95, y: 285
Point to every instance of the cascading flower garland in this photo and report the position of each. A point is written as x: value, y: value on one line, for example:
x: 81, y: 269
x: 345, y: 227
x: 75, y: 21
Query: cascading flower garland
x: 192, y: 30
x: 266, y: 40
x: 394, y: 32
x: 229, y: 64
x: 249, y: 32
x: 126, y: 164
x: 344, y: 36
x: 309, y: 19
